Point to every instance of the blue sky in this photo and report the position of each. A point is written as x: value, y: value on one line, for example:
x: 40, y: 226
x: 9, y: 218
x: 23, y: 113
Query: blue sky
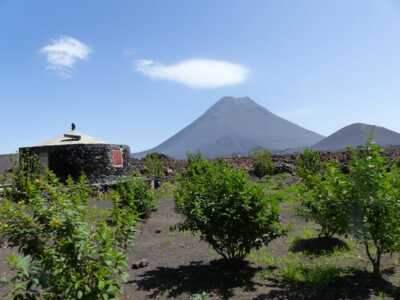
x: 136, y: 72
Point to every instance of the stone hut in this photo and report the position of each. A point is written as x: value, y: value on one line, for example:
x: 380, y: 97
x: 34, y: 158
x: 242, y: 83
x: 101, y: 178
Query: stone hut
x: 75, y: 153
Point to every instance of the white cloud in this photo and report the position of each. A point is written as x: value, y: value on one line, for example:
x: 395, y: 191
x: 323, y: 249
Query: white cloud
x: 196, y: 73
x: 296, y: 114
x: 63, y: 53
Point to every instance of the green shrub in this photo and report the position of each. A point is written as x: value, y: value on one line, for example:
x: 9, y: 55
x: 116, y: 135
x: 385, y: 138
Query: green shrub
x: 317, y: 276
x: 308, y: 164
x: 26, y: 170
x: 202, y: 296
x: 229, y: 211
x: 166, y: 190
x: 136, y: 193
x: 124, y: 217
x: 375, y: 200
x: 326, y: 201
x: 262, y: 163
x: 154, y: 165
x: 60, y: 254
x: 365, y: 202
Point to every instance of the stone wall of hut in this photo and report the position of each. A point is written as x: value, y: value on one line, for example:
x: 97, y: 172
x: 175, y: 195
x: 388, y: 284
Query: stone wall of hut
x: 93, y: 160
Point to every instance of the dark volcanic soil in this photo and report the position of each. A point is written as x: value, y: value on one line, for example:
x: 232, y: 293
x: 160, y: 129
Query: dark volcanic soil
x: 180, y: 265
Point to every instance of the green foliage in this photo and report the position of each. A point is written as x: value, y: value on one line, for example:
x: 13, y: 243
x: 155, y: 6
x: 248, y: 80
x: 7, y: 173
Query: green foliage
x: 202, y: 296
x: 262, y: 163
x: 3, y: 179
x: 136, y: 194
x: 124, y: 215
x: 308, y: 164
x: 60, y: 254
x: 315, y: 276
x: 283, y: 187
x: 326, y: 201
x: 154, y: 165
x: 229, y: 211
x: 365, y: 202
x: 167, y: 190
x: 375, y: 200
x: 24, y: 173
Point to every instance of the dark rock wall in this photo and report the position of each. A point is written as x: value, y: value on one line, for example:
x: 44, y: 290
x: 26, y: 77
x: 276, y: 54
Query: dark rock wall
x: 284, y: 163
x: 93, y: 160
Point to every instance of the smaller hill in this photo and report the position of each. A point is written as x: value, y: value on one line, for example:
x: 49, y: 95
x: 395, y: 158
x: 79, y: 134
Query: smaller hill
x: 357, y: 134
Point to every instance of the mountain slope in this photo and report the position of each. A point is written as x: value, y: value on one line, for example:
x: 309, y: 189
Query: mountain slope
x: 235, y: 126
x: 356, y: 135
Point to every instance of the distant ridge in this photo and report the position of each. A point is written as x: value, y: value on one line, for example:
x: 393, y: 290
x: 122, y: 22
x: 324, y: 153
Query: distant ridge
x: 235, y: 126
x: 357, y: 134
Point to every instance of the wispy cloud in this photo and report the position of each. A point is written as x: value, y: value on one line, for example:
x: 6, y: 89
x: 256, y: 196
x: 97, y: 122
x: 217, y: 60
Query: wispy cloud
x: 296, y: 114
x: 63, y: 53
x: 196, y: 73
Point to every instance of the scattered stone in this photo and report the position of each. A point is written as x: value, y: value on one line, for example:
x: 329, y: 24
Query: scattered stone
x: 140, y: 264
x: 283, y: 167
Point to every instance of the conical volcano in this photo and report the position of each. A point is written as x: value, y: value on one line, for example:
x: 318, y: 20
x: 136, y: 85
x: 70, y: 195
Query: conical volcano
x: 235, y: 126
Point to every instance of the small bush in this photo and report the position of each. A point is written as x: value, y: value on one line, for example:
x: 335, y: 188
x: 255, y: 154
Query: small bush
x: 317, y: 276
x: 262, y: 163
x: 124, y: 217
x: 308, y: 164
x: 26, y: 170
x: 154, y: 165
x: 325, y: 201
x: 135, y: 193
x: 229, y: 211
x: 60, y: 254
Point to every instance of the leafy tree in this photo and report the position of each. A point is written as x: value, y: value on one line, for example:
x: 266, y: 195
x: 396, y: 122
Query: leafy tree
x: 308, y: 164
x: 135, y: 194
x: 326, y: 200
x: 262, y: 163
x: 375, y: 200
x: 155, y: 166
x: 365, y: 202
x: 60, y: 254
x: 229, y: 211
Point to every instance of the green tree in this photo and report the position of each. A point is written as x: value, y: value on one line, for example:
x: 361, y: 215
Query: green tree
x: 229, y: 211
x: 308, y: 164
x: 262, y: 163
x: 135, y: 194
x: 326, y: 200
x: 375, y: 200
x: 154, y: 165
